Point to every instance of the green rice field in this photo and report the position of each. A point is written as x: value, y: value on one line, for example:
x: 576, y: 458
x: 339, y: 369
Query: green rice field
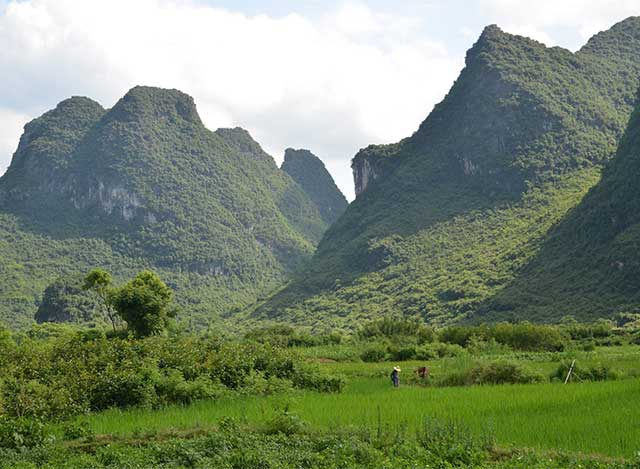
x: 591, y: 418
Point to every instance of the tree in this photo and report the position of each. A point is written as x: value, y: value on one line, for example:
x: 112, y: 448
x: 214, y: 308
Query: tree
x: 100, y: 282
x: 144, y: 304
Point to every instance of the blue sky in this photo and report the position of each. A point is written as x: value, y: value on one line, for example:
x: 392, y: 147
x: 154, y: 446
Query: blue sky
x: 332, y: 76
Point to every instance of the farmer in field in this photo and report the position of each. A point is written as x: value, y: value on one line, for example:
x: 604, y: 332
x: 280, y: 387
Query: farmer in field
x: 395, y: 376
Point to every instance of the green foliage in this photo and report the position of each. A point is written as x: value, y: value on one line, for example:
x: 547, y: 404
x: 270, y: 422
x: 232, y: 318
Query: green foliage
x: 590, y: 262
x: 503, y: 372
x: 452, y: 445
x: 146, y: 185
x: 520, y: 336
x: 597, y: 372
x: 64, y: 300
x: 101, y: 283
x: 455, y: 213
x: 286, y: 336
x: 144, y: 304
x: 75, y: 373
x: 374, y: 354
x: 22, y: 433
x: 310, y: 173
x: 397, y: 329
x: 440, y: 445
x: 285, y: 424
x: 74, y: 430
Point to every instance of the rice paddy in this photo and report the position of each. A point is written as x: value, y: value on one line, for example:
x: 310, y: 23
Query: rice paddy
x: 591, y: 418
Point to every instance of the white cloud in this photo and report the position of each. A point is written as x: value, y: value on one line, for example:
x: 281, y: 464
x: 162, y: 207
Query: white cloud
x: 333, y: 84
x: 11, y: 124
x: 586, y: 17
x: 531, y: 32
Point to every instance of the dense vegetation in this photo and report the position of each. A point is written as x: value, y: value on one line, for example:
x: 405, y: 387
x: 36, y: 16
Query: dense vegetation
x: 590, y: 261
x: 460, y: 207
x: 72, y: 397
x: 310, y: 173
x: 56, y: 372
x: 146, y: 185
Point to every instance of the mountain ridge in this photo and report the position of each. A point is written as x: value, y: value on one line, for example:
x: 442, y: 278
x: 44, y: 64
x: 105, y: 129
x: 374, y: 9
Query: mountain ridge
x: 145, y: 184
x: 518, y: 140
x: 311, y: 174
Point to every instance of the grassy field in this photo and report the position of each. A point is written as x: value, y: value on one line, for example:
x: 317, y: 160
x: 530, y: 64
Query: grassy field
x: 588, y: 418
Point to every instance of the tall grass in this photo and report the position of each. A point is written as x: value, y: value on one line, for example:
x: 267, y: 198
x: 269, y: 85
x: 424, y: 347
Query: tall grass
x: 588, y: 417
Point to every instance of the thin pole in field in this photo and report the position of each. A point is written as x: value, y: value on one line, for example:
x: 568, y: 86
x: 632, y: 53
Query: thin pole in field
x: 570, y: 370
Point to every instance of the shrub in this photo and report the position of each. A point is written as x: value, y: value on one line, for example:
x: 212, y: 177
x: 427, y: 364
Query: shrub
x: 465, y: 373
x: 77, y: 429
x: 373, y: 354
x: 307, y: 378
x: 449, y: 350
x: 599, y: 329
x: 284, y: 423
x: 522, y: 336
x: 426, y: 352
x: 479, y: 346
x: 452, y: 445
x: 598, y: 372
x: 503, y: 372
x: 22, y: 433
x: 390, y: 327
x: 174, y: 388
x: 402, y: 354
x: 64, y: 376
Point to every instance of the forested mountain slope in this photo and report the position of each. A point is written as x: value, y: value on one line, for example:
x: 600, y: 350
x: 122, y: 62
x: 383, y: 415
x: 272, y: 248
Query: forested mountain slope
x: 589, y: 263
x: 145, y: 184
x: 448, y: 217
x: 310, y: 173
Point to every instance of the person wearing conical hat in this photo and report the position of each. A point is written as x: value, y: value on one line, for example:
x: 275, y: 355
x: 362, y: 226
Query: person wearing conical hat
x: 395, y: 376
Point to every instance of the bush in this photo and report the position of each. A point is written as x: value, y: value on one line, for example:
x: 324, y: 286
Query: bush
x: 74, y: 430
x: 599, y: 329
x: 402, y: 354
x: 426, y: 352
x: 22, y: 433
x: 598, y: 372
x: 465, y: 373
x: 452, y: 445
x: 396, y: 327
x: 64, y: 376
x: 449, y: 350
x: 174, y: 388
x: 523, y: 336
x: 374, y: 354
x: 284, y: 423
x: 314, y: 380
x: 503, y: 372
x: 479, y: 346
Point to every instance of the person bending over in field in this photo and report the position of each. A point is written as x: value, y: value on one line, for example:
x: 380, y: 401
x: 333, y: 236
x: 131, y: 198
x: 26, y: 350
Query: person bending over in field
x: 395, y: 376
x: 423, y: 373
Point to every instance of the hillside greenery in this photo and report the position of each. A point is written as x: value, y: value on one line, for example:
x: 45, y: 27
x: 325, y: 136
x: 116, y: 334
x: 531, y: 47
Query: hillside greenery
x: 146, y: 185
x: 463, y: 205
x: 310, y: 173
x: 80, y: 397
x: 590, y: 261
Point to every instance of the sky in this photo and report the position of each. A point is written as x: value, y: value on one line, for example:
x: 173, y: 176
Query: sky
x: 331, y: 76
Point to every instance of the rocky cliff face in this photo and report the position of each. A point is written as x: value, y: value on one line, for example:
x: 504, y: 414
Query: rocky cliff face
x: 310, y: 173
x: 363, y: 174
